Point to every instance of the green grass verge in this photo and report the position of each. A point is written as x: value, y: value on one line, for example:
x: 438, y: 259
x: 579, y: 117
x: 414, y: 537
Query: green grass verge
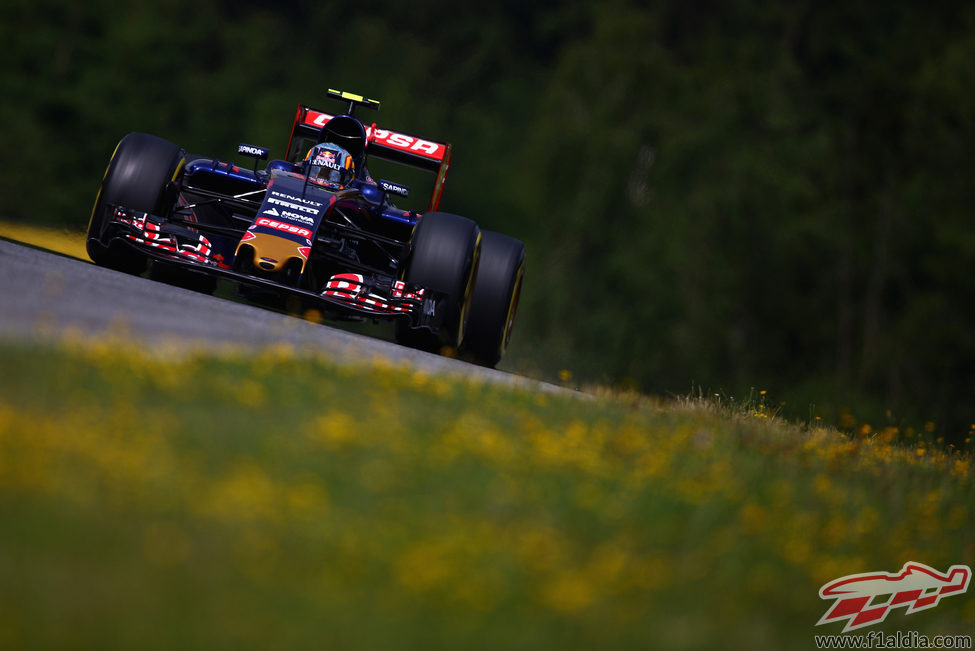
x: 275, y: 501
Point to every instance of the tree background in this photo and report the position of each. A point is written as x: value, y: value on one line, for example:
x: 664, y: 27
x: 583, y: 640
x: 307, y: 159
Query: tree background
x: 714, y: 196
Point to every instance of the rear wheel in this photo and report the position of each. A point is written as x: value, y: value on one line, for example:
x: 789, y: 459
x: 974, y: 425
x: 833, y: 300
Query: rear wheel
x: 137, y: 177
x: 494, y: 302
x: 444, y: 258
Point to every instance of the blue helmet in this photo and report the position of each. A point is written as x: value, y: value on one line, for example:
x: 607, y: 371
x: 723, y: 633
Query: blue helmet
x: 330, y: 163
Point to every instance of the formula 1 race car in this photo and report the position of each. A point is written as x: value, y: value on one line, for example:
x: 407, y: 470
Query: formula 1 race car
x: 314, y: 229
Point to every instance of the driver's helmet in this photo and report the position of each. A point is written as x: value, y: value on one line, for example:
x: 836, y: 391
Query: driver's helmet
x: 330, y: 163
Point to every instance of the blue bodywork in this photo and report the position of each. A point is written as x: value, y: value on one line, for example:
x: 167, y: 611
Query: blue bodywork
x: 213, y: 171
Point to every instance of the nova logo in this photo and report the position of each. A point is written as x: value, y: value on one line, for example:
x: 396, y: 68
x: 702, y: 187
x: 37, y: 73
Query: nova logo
x: 866, y: 599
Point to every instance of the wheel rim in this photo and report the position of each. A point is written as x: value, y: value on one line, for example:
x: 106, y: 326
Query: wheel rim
x: 509, y: 322
x: 468, y: 291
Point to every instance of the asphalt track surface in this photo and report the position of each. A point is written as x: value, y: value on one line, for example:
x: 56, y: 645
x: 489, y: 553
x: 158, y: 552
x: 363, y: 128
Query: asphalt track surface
x: 45, y: 296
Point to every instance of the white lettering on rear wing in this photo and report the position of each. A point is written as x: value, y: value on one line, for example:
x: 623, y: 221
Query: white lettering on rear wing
x: 408, y: 144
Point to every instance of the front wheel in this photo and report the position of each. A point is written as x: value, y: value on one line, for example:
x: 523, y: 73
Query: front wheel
x: 444, y: 258
x: 495, y: 299
x: 137, y: 177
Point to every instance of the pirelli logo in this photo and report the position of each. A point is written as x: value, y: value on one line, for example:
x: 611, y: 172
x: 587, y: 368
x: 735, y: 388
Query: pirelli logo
x: 294, y: 203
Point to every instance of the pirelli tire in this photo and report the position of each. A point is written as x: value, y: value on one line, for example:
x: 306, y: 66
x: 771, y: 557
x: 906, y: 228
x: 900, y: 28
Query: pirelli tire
x: 494, y: 302
x: 139, y: 176
x: 444, y: 258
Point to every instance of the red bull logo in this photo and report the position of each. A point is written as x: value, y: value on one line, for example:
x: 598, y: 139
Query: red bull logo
x: 325, y: 157
x: 866, y: 599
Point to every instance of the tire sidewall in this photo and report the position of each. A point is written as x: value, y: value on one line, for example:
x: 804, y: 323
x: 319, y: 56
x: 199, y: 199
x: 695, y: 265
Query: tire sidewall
x: 495, y: 298
x: 444, y: 258
x: 142, y: 167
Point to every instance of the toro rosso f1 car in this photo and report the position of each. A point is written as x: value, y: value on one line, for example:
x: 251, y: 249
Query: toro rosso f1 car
x: 314, y: 229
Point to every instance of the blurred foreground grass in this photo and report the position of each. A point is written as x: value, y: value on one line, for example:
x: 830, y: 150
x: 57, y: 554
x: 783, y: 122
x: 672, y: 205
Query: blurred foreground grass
x: 276, y: 501
x: 64, y: 241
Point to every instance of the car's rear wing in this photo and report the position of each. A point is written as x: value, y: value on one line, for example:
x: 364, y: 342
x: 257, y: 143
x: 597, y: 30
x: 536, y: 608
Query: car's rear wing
x: 393, y: 146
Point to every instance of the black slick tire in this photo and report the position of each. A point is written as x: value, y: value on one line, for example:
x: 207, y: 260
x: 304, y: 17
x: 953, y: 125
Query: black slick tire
x: 137, y: 177
x: 443, y: 258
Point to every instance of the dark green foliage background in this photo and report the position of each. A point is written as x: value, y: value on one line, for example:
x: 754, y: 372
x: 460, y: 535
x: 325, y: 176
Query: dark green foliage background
x: 715, y: 196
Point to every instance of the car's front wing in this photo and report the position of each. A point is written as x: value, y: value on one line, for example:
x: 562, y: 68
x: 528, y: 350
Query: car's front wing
x: 355, y: 293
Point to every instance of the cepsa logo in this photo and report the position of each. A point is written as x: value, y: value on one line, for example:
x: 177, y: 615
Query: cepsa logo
x: 866, y: 599
x: 280, y: 226
x: 402, y: 141
x: 389, y: 138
